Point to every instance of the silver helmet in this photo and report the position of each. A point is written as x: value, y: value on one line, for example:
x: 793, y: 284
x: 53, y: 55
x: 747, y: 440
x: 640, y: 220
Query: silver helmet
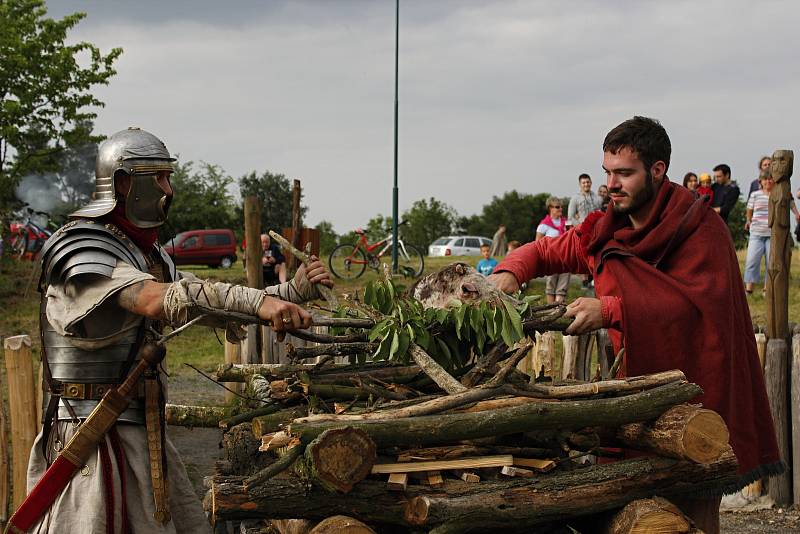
x: 142, y: 156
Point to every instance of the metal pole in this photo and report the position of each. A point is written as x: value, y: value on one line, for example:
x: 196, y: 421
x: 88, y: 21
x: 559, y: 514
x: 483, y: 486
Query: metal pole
x: 394, y: 189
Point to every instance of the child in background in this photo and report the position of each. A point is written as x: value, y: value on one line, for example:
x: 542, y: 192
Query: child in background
x: 487, y: 264
x: 705, y: 187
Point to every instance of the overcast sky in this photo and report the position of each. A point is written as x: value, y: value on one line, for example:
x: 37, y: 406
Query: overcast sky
x: 494, y: 95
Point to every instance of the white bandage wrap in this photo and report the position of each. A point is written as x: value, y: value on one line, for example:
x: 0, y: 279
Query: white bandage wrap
x: 296, y: 291
x: 184, y: 299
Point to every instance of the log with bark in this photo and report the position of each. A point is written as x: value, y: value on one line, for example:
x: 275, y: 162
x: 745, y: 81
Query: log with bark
x: 511, y: 504
x: 645, y: 516
x: 195, y: 416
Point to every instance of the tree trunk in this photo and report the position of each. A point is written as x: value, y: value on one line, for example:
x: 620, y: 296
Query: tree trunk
x: 685, y: 432
x: 341, y: 524
x: 195, y: 416
x: 340, y: 458
x: 448, y: 428
x: 504, y: 504
x: 384, y: 371
x: 645, y: 516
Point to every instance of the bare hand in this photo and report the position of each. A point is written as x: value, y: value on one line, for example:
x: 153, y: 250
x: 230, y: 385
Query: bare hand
x: 283, y: 315
x: 587, y: 313
x: 315, y: 273
x: 505, y: 282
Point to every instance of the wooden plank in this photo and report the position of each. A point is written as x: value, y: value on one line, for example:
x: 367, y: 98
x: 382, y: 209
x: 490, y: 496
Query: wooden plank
x: 434, y: 479
x: 397, y: 482
x: 516, y: 472
x: 568, y: 360
x: 542, y: 466
x: 795, y: 412
x: 467, y: 476
x: 21, y: 401
x: 544, y: 356
x: 761, y: 346
x: 461, y: 463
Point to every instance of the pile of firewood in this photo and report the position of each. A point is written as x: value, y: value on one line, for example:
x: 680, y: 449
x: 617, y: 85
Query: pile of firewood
x: 411, y: 444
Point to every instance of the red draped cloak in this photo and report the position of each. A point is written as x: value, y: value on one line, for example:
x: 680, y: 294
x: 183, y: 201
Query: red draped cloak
x: 672, y: 295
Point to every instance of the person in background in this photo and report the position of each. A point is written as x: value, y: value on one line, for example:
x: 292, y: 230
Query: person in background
x: 487, y: 264
x: 273, y: 262
x: 582, y: 204
x: 726, y: 191
x: 758, y: 245
x: 499, y: 243
x: 512, y: 245
x: 602, y: 192
x: 554, y: 225
x: 690, y: 181
x: 763, y: 165
x: 704, y: 189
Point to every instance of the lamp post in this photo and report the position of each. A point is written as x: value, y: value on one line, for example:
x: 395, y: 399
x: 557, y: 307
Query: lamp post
x: 394, y: 189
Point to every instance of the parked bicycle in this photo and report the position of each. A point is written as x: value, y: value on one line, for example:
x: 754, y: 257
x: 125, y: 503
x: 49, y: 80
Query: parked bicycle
x: 27, y: 238
x: 350, y: 261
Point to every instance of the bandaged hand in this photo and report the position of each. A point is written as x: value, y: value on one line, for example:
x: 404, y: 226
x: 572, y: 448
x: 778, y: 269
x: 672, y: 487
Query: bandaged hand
x: 303, y: 287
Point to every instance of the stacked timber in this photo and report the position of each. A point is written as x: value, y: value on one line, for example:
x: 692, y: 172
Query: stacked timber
x: 393, y: 451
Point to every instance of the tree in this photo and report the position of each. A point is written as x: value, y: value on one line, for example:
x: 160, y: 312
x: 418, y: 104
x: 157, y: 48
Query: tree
x: 274, y: 192
x: 427, y: 220
x: 327, y: 237
x: 44, y: 90
x: 520, y: 213
x: 201, y: 200
x: 736, y: 219
x: 377, y: 228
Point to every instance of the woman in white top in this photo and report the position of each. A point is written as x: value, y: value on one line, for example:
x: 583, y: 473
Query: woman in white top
x: 553, y: 225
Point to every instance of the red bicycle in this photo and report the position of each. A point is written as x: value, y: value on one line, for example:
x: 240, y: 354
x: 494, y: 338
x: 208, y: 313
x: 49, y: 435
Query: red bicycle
x: 350, y: 261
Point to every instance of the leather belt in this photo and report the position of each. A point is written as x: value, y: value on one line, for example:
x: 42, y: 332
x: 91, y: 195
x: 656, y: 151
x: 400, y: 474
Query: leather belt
x: 83, y: 391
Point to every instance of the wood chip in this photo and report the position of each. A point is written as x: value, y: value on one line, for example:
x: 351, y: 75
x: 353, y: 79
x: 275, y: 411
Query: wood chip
x: 398, y: 482
x: 541, y: 466
x: 510, y: 471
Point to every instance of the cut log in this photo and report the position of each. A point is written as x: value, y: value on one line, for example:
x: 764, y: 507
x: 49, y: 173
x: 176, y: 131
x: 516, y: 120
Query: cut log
x: 260, y: 388
x: 330, y: 349
x: 436, y: 465
x: 274, y: 441
x: 341, y: 524
x: 685, y: 432
x: 544, y: 356
x: 649, y: 516
x: 448, y: 428
x: 233, y: 355
x: 240, y: 449
x: 397, y: 481
x: 292, y: 526
x: 477, y: 507
x: 266, y: 424
x: 340, y: 458
x: 195, y: 416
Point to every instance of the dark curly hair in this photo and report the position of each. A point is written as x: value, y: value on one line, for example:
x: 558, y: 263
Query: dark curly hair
x: 643, y: 135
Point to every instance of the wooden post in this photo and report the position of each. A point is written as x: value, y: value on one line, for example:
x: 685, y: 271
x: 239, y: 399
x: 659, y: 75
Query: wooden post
x: 255, y: 275
x: 577, y: 357
x: 755, y: 489
x: 780, y: 256
x: 233, y: 354
x: 21, y: 401
x: 605, y: 353
x: 4, y: 465
x: 775, y: 375
x: 570, y: 344
x: 795, y: 414
x: 544, y: 356
x: 296, y: 194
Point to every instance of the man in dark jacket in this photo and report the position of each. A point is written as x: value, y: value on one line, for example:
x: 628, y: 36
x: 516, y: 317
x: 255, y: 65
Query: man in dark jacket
x: 726, y: 192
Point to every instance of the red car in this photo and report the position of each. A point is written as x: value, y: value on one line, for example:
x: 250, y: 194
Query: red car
x: 215, y: 248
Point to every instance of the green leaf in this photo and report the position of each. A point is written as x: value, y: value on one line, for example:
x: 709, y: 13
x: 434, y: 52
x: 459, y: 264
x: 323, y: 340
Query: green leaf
x: 382, y: 352
x: 369, y: 295
x: 488, y: 315
x: 506, y: 330
x: 379, y: 329
x: 516, y: 322
x: 411, y: 333
x: 459, y: 317
x: 403, y: 342
x: 444, y: 350
x: 423, y: 337
x: 442, y: 315
x: 395, y: 345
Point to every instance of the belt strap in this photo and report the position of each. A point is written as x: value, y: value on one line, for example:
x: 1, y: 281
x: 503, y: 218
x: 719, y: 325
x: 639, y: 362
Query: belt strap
x: 152, y: 411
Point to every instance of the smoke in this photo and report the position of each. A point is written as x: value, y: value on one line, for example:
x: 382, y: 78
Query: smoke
x: 39, y: 192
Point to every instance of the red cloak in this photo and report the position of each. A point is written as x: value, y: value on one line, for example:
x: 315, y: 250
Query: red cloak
x: 674, y: 293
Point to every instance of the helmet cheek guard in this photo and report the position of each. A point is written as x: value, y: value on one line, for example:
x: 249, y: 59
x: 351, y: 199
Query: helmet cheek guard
x: 146, y: 204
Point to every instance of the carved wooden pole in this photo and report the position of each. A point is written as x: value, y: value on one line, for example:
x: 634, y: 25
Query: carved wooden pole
x: 255, y: 274
x: 777, y: 356
x: 795, y: 416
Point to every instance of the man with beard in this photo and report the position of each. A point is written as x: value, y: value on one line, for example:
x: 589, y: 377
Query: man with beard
x: 667, y: 292
x: 108, y: 289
